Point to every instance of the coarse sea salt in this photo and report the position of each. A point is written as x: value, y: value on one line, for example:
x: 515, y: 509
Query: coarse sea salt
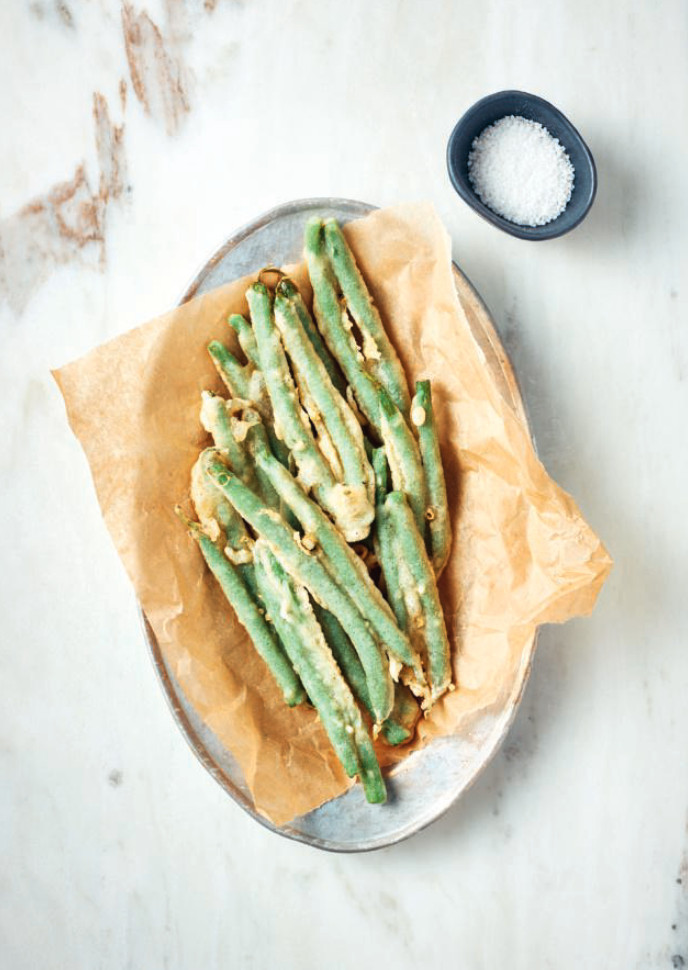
x: 521, y: 171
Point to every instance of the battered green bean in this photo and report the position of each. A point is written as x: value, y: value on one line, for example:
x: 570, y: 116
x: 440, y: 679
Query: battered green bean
x: 221, y: 419
x: 291, y: 423
x: 344, y: 653
x: 246, y: 336
x: 335, y: 325
x: 400, y: 726
x: 236, y: 376
x: 247, y: 383
x: 404, y: 459
x: 307, y: 569
x: 217, y: 515
x: 387, y: 554
x: 377, y: 348
x: 290, y: 291
x: 372, y: 398
x: 422, y: 416
x: 216, y: 417
x: 415, y: 559
x: 249, y: 615
x: 290, y: 610
x: 339, y: 420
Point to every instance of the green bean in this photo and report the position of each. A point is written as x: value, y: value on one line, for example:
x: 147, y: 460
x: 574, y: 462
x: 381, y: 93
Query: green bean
x: 404, y: 459
x: 291, y: 424
x: 247, y: 383
x: 247, y: 338
x: 290, y: 610
x: 345, y: 654
x: 219, y: 418
x: 385, y: 551
x: 244, y: 381
x: 339, y: 558
x: 217, y: 515
x: 422, y: 416
x: 307, y: 569
x: 374, y: 401
x: 290, y: 291
x: 236, y: 376
x: 223, y: 524
x: 378, y: 350
x: 323, y: 401
x: 216, y: 418
x: 335, y: 325
x: 400, y: 726
x: 248, y: 614
x: 414, y: 558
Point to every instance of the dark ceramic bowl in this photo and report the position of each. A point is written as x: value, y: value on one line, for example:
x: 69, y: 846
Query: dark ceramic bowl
x: 490, y: 109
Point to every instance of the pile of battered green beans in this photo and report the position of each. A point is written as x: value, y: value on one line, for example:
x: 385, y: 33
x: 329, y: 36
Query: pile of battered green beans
x: 322, y: 506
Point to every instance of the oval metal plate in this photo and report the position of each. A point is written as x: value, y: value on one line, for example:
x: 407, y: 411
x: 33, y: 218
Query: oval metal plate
x: 429, y: 781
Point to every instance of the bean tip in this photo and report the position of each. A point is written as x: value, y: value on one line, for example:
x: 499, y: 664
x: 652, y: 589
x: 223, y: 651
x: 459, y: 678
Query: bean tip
x: 286, y: 288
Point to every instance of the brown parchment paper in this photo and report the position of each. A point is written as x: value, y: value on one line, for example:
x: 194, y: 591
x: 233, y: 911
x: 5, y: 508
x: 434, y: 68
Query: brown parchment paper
x: 522, y: 553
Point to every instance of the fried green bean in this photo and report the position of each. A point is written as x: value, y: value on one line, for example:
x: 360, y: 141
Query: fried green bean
x: 404, y: 459
x: 340, y: 421
x: 335, y: 325
x: 249, y: 615
x: 422, y: 416
x: 414, y: 558
x: 291, y: 423
x: 387, y: 554
x: 374, y: 401
x: 246, y: 337
x: 218, y: 517
x: 377, y: 348
x: 292, y: 614
x: 339, y: 558
x: 236, y: 377
x: 247, y: 383
x: 400, y: 726
x: 290, y: 291
x: 220, y: 418
x: 344, y: 653
x: 306, y: 569
x: 216, y: 418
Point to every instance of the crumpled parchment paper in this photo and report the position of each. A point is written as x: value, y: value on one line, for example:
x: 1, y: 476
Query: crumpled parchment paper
x: 522, y: 553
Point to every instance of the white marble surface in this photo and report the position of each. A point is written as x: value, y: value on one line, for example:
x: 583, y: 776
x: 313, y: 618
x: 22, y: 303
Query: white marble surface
x: 118, y: 850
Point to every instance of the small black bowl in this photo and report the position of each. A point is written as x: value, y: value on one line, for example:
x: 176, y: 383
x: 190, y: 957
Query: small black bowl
x: 490, y: 109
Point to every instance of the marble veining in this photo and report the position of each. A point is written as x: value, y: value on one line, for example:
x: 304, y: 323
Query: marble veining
x: 137, y: 136
x: 68, y: 222
x: 156, y: 69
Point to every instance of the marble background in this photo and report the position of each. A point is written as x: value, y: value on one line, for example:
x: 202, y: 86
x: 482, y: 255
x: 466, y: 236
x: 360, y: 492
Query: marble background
x: 136, y: 137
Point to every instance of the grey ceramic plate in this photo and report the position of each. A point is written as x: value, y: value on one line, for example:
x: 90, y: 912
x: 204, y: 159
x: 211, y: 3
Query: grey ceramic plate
x: 428, y: 782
